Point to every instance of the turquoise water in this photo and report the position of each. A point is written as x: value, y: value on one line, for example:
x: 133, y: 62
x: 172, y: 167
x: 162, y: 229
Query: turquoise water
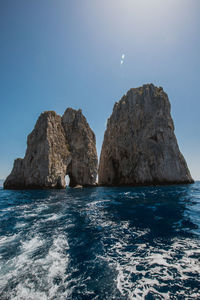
x: 100, y: 243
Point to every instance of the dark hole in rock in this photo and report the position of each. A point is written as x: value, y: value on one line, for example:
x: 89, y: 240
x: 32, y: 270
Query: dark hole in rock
x: 154, y: 138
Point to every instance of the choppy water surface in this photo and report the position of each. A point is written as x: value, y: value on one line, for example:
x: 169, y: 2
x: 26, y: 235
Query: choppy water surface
x: 100, y: 243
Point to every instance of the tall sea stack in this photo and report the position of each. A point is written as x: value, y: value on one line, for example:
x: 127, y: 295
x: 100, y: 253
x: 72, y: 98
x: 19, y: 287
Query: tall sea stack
x: 55, y: 148
x: 82, y: 144
x: 140, y: 147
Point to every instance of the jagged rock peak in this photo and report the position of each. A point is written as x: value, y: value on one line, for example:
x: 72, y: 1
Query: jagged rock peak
x: 48, y: 158
x: 140, y: 147
x: 82, y: 142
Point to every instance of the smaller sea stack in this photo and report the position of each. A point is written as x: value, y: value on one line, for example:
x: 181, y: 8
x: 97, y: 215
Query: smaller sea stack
x: 140, y: 147
x: 58, y: 146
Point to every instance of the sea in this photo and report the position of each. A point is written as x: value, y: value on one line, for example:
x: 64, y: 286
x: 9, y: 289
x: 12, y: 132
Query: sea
x: 100, y: 243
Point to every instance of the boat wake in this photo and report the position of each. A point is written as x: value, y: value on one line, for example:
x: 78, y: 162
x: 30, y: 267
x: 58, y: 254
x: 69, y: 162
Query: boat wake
x: 100, y: 243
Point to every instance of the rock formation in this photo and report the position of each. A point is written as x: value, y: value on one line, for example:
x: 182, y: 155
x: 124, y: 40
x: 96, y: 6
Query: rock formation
x: 140, y: 147
x: 82, y: 169
x: 55, y: 148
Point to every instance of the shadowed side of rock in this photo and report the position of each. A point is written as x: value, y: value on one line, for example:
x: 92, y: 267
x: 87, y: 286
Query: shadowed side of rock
x: 82, y: 169
x: 55, y: 148
x: 46, y: 159
x: 140, y: 147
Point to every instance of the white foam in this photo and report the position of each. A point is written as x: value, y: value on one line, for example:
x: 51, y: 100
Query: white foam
x: 42, y: 270
x: 20, y: 225
x: 153, y: 270
x: 159, y: 259
x: 53, y: 217
x: 7, y: 239
x: 32, y: 244
x: 24, y: 292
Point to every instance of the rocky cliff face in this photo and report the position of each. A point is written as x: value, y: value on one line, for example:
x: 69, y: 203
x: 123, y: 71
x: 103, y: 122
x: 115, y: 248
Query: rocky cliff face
x: 48, y: 158
x: 82, y: 169
x: 139, y: 144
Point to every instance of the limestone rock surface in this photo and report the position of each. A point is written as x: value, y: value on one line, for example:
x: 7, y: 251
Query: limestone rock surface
x: 48, y: 158
x: 140, y: 147
x: 82, y: 169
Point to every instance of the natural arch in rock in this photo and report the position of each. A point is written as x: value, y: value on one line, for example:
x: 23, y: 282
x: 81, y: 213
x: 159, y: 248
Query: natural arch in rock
x: 67, y: 180
x: 55, y: 148
x: 82, y: 168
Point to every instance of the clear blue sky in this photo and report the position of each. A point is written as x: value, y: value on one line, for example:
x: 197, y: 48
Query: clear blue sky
x: 56, y: 54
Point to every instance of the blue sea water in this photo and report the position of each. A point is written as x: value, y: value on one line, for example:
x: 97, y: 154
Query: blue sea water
x: 100, y: 243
